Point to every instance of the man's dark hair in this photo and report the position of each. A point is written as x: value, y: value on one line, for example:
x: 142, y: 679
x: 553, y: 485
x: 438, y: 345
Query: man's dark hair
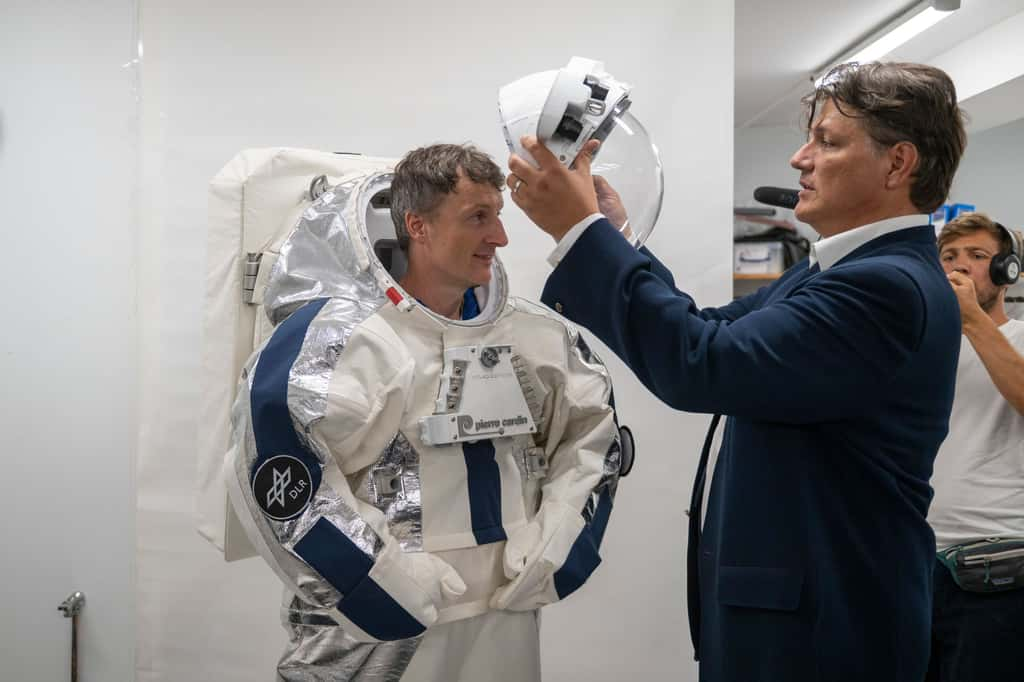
x: 902, y: 102
x: 425, y: 175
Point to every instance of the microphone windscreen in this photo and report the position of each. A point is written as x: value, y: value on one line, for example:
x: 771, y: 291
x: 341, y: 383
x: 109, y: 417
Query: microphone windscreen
x: 776, y: 196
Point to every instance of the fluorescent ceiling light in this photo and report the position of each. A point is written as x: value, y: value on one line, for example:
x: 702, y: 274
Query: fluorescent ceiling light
x: 916, y: 24
x: 899, y: 35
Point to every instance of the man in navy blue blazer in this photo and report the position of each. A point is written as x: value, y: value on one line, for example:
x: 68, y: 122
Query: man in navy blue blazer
x: 815, y: 559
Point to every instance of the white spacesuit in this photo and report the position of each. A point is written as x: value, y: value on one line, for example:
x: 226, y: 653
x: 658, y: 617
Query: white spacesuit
x: 420, y: 485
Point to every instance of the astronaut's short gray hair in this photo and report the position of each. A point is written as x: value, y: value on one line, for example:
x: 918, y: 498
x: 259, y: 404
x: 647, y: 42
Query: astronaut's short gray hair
x: 425, y: 175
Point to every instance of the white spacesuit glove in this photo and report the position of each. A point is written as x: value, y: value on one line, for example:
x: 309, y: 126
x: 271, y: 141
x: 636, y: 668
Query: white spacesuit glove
x: 436, y: 577
x: 418, y: 582
x: 533, y: 554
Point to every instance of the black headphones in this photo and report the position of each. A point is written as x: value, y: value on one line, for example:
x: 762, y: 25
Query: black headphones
x: 1004, y: 268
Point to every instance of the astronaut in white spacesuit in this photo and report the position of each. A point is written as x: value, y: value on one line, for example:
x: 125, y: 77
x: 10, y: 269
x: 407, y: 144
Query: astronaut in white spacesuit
x: 422, y: 459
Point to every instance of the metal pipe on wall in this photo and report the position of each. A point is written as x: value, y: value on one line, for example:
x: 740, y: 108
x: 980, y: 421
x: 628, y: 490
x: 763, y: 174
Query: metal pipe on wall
x: 71, y: 607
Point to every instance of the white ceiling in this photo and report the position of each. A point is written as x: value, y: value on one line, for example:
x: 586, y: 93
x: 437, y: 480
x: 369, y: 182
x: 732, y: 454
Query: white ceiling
x: 780, y: 43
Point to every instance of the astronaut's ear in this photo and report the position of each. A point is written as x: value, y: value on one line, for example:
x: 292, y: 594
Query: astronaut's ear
x: 416, y: 226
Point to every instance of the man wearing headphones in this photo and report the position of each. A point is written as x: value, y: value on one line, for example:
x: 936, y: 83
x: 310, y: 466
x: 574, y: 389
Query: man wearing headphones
x: 978, y: 622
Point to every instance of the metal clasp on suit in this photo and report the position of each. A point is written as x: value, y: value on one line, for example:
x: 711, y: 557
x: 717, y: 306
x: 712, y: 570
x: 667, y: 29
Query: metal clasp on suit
x: 535, y: 463
x: 387, y: 483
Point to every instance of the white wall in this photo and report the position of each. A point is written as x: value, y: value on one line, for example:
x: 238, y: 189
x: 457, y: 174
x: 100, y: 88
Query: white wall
x: 991, y: 173
x: 68, y: 350
x: 381, y: 79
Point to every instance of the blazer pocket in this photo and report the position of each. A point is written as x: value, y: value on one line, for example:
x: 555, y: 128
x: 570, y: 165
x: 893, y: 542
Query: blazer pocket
x: 756, y: 587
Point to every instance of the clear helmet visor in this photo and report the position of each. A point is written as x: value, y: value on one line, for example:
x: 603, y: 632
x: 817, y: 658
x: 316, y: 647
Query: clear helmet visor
x: 628, y: 166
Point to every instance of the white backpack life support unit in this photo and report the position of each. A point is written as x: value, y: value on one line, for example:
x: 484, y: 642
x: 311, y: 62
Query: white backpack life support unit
x: 255, y: 202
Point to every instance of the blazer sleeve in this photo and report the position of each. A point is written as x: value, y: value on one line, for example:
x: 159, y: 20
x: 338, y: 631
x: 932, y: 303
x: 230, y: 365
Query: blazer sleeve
x: 732, y: 311
x: 817, y: 354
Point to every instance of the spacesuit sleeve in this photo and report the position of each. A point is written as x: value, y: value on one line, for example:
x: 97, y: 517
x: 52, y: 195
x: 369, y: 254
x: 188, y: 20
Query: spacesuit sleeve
x: 303, y: 412
x: 556, y: 552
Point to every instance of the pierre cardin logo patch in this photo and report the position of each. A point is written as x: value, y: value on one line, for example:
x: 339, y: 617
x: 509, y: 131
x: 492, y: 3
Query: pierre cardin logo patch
x: 283, y: 487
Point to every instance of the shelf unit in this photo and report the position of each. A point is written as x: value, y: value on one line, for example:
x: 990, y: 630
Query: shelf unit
x: 755, y: 277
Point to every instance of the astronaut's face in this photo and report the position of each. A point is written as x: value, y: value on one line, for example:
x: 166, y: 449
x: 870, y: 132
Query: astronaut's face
x: 462, y: 234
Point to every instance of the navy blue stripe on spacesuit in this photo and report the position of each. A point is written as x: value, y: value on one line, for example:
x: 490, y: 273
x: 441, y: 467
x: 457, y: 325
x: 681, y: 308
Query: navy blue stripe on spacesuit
x: 346, y: 567
x: 483, y: 479
x: 334, y: 556
x: 583, y: 557
x: 324, y: 547
x: 271, y: 421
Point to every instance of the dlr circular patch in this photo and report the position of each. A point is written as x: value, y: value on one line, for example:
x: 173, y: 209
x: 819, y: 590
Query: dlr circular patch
x: 283, y: 487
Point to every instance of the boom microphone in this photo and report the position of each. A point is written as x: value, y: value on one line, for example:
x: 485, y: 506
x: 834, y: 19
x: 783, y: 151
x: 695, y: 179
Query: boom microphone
x: 776, y: 196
